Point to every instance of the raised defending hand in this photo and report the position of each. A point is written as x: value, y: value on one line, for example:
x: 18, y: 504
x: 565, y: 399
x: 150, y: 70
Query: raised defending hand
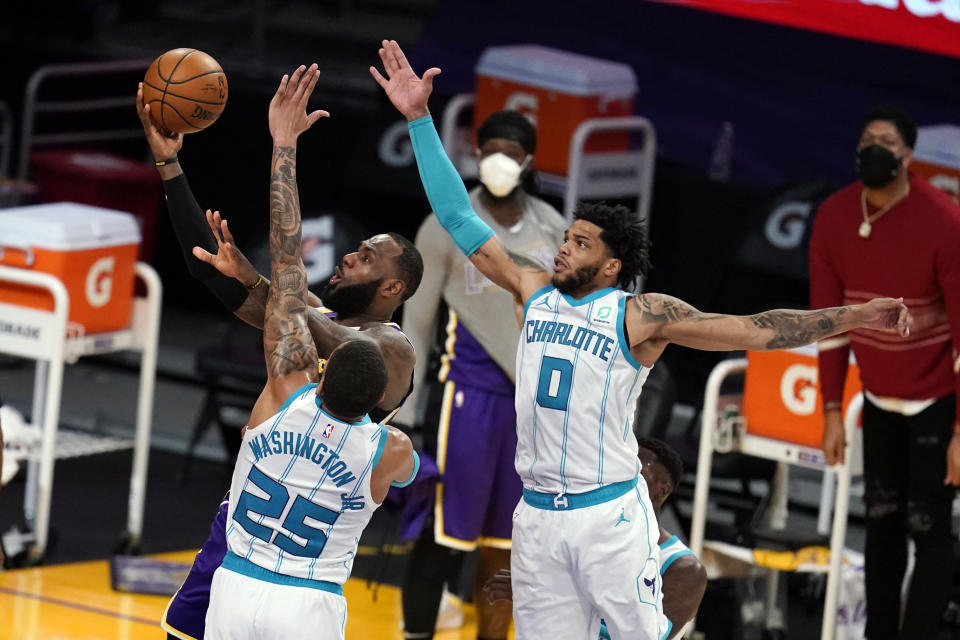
x: 288, y: 109
x: 163, y: 144
x: 407, y: 92
x: 886, y: 314
x: 228, y: 260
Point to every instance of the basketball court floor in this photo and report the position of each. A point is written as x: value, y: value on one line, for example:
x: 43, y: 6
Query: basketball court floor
x: 76, y: 602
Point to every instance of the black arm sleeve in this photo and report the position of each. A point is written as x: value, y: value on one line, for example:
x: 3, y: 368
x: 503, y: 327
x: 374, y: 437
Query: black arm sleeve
x: 190, y: 226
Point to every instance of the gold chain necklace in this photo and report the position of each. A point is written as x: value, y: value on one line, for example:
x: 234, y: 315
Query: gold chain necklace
x: 867, y: 225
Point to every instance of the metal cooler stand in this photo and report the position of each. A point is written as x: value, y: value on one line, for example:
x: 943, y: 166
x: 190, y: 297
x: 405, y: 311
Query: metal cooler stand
x: 43, y: 336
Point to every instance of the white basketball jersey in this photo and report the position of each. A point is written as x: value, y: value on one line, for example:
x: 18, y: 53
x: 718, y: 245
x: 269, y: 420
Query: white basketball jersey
x: 670, y: 550
x: 577, y: 387
x: 300, y: 496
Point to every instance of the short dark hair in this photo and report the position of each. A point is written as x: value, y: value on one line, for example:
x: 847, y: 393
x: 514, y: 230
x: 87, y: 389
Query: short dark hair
x: 625, y: 236
x: 510, y: 125
x: 906, y: 126
x: 409, y: 265
x: 354, y: 378
x: 667, y: 457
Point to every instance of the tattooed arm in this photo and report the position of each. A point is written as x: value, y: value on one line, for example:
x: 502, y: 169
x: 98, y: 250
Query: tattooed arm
x: 659, y: 318
x: 291, y: 355
x: 520, y: 275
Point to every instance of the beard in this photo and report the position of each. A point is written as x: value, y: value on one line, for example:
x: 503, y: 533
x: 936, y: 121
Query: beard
x: 350, y: 300
x: 577, y: 280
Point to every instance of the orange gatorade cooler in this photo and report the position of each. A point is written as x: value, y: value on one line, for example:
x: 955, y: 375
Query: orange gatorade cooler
x: 937, y: 157
x: 90, y: 249
x: 781, y: 395
x: 558, y: 90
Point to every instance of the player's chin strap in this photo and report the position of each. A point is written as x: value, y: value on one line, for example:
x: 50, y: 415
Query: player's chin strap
x: 445, y: 190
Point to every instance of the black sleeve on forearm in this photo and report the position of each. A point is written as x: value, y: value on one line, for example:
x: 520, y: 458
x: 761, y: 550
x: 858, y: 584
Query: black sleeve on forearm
x: 190, y: 225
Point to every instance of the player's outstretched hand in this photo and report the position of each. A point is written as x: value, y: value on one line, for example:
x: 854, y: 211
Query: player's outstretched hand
x: 407, y: 92
x: 498, y: 587
x: 228, y: 260
x: 288, y: 109
x: 163, y: 144
x: 886, y: 314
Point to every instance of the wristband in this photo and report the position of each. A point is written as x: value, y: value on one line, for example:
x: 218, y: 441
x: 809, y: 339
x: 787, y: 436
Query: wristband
x: 163, y: 163
x: 255, y: 284
x: 832, y: 405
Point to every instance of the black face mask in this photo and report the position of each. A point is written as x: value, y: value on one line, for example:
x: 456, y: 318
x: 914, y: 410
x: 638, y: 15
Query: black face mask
x: 877, y: 166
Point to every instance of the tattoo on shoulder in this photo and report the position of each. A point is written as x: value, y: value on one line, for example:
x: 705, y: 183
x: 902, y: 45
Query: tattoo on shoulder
x: 659, y: 308
x: 526, y: 262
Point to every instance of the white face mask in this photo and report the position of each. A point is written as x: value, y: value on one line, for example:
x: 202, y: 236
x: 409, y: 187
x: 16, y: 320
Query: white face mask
x: 500, y: 174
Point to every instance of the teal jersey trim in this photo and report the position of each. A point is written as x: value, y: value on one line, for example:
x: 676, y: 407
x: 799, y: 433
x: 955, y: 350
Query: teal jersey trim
x: 568, y: 501
x: 624, y: 347
x: 666, y: 634
x: 416, y: 470
x: 235, y: 563
x: 587, y: 299
x: 673, y: 558
x: 380, y: 445
x: 666, y: 543
x: 296, y: 394
x: 547, y: 290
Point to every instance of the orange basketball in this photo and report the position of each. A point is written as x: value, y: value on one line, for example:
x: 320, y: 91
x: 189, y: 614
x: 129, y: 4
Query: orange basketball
x: 186, y: 90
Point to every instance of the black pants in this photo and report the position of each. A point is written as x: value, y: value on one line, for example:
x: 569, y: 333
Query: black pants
x: 905, y: 462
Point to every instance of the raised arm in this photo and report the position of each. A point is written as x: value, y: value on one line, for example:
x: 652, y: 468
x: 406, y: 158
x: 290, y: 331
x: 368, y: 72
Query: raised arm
x: 655, y: 317
x: 445, y: 191
x: 291, y: 356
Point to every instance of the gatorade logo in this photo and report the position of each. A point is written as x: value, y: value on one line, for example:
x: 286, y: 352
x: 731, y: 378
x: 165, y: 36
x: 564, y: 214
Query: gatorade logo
x: 525, y: 103
x: 798, y: 389
x: 786, y: 224
x: 99, y: 284
x: 394, y: 148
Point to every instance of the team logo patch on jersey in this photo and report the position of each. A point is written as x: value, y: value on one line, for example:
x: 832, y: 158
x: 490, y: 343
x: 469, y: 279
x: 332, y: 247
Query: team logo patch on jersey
x: 328, y: 430
x: 648, y: 583
x: 458, y: 399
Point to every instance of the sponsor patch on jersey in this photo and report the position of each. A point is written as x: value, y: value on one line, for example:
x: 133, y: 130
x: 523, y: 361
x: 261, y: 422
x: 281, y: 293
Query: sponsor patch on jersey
x: 603, y: 314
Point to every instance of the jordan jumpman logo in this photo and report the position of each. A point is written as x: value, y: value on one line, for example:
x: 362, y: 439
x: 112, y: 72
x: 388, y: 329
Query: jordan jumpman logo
x: 622, y: 519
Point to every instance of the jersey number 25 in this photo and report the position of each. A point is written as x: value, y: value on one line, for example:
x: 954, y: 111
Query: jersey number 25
x: 273, y: 507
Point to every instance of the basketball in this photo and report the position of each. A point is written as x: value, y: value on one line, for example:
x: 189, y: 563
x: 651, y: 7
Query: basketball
x: 186, y: 90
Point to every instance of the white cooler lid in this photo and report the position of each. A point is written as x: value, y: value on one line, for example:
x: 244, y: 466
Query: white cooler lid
x: 938, y: 144
x: 558, y: 70
x: 67, y: 226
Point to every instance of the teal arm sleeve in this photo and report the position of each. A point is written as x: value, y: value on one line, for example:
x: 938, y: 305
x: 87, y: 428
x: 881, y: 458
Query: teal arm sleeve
x: 445, y: 189
x: 416, y: 469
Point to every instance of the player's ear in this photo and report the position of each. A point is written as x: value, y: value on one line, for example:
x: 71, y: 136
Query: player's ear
x: 392, y: 287
x: 612, y: 267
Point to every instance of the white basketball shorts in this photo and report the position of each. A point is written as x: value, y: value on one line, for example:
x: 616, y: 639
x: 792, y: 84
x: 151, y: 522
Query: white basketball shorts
x: 580, y: 558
